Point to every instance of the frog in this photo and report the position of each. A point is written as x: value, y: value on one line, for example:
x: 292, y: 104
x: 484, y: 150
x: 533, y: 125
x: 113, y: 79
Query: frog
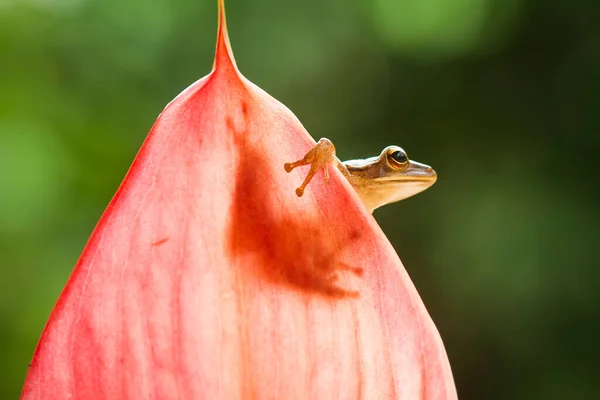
x: 384, y: 179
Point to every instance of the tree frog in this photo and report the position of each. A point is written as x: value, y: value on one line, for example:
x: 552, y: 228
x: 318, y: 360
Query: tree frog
x: 378, y: 180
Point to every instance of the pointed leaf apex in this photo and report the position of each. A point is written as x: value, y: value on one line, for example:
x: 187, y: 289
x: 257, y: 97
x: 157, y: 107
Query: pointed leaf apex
x: 224, y: 55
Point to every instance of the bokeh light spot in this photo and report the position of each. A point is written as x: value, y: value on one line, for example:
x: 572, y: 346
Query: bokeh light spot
x: 33, y: 166
x: 430, y: 28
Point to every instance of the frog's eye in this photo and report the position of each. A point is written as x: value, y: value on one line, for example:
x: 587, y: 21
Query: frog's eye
x: 397, y: 158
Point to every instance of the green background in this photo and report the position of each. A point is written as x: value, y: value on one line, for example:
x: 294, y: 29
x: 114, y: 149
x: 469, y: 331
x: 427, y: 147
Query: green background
x: 501, y: 97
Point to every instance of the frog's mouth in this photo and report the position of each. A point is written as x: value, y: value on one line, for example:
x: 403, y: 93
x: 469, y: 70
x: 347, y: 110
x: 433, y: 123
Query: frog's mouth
x: 415, y: 172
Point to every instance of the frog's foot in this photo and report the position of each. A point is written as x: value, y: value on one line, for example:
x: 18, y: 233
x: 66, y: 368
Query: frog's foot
x: 317, y: 157
x: 332, y: 289
x: 358, y: 271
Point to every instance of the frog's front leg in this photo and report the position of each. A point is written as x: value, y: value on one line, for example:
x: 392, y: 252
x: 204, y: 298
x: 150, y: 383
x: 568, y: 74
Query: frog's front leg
x: 318, y: 157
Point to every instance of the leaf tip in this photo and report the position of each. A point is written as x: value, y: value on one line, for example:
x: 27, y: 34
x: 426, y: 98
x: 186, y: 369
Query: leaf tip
x: 224, y: 54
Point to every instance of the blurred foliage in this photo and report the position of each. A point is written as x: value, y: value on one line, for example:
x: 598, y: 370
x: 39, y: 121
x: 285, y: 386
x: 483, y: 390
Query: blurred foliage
x: 502, y: 97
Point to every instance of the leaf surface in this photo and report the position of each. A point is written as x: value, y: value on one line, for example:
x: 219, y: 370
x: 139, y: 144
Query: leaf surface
x: 208, y: 278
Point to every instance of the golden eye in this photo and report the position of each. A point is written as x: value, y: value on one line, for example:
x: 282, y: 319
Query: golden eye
x: 397, y: 158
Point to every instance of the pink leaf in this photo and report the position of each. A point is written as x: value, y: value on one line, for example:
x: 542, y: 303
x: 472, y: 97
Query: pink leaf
x: 208, y: 278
